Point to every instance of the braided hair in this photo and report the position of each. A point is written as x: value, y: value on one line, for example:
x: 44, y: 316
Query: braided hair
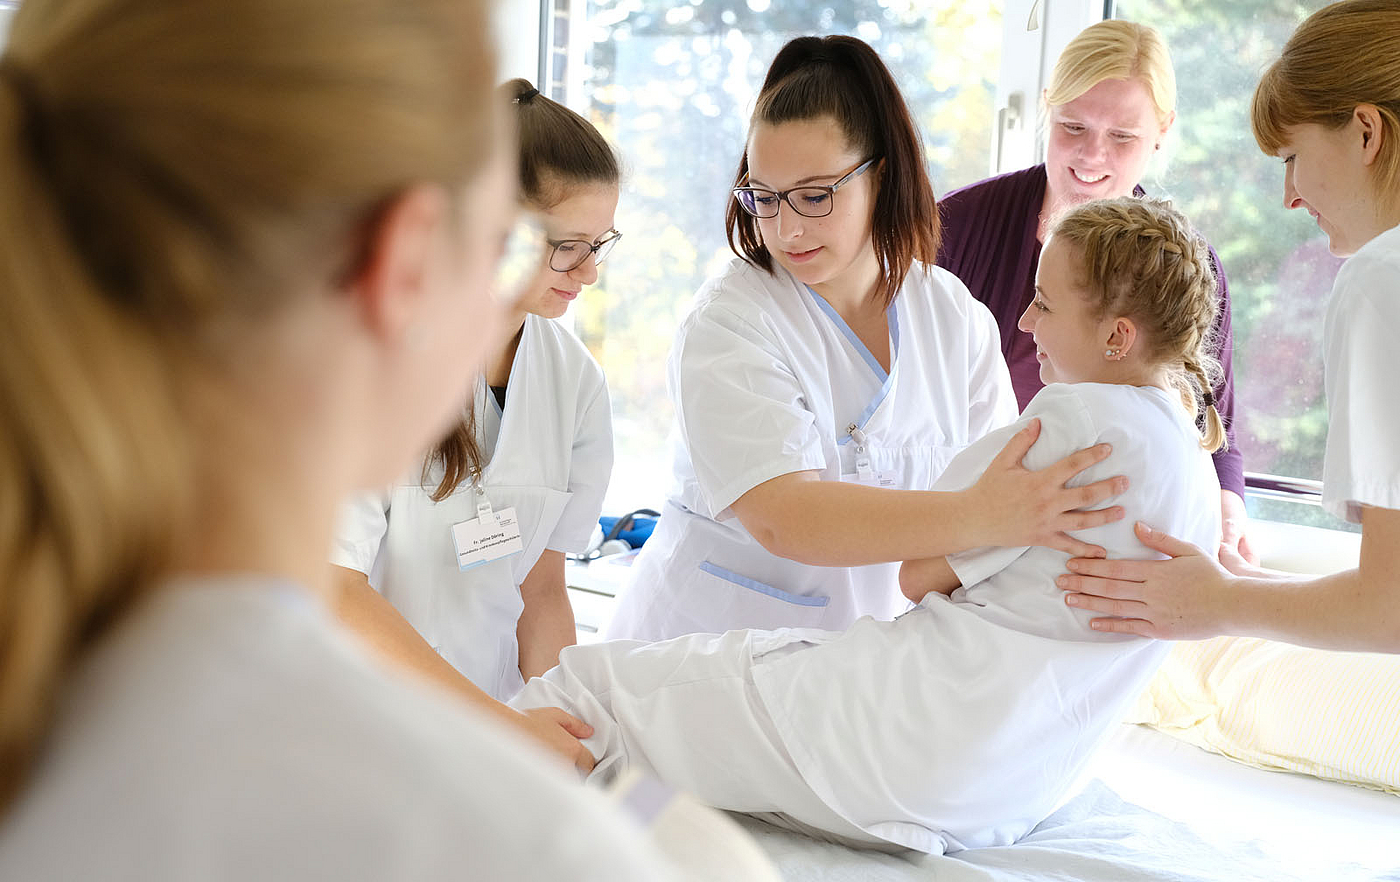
x: 1142, y: 259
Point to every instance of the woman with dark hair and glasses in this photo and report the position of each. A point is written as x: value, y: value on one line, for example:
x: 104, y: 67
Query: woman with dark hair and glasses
x: 827, y: 375
x: 458, y: 568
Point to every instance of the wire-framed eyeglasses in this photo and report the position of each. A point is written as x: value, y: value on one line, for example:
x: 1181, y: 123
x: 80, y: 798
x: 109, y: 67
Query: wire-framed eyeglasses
x: 566, y: 255
x: 808, y: 201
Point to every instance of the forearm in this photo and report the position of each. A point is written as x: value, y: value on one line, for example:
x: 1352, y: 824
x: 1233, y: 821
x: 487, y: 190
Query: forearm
x: 547, y: 622
x: 1344, y: 611
x: 836, y: 523
x: 920, y: 578
x: 389, y: 635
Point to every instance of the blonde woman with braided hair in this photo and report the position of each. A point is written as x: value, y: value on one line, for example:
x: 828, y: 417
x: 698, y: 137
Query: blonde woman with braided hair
x: 964, y: 722
x: 248, y: 250
x: 1329, y: 108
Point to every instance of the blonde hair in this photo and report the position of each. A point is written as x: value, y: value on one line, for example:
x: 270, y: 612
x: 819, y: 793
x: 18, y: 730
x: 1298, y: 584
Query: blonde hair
x: 173, y: 173
x: 1342, y: 56
x: 1115, y: 50
x: 1142, y: 259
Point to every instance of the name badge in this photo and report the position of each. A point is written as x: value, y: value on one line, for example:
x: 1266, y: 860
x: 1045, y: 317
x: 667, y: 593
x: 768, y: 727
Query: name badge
x: 872, y: 479
x: 491, y: 536
x: 865, y: 473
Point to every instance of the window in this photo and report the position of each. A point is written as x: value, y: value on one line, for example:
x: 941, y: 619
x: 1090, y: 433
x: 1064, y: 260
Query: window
x: 672, y: 84
x: 1277, y: 261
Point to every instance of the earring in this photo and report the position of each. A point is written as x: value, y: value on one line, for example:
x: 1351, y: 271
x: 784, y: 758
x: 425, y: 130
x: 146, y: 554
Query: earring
x: 1110, y: 353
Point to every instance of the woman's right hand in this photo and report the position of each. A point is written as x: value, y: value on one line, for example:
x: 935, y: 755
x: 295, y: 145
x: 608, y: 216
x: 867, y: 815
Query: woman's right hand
x: 1025, y: 507
x: 560, y: 734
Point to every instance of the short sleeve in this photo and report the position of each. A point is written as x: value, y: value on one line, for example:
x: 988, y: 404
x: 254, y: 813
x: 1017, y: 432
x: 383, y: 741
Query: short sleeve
x: 590, y: 469
x: 741, y: 410
x: 1362, y: 465
x: 361, y: 525
x: 991, y: 400
x: 1065, y: 426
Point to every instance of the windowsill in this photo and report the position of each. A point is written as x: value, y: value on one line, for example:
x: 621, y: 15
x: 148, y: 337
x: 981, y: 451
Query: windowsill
x: 1305, y: 550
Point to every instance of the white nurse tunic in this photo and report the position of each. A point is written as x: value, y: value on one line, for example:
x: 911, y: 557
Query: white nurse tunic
x: 767, y: 379
x: 550, y: 457
x: 1362, y: 464
x: 961, y: 724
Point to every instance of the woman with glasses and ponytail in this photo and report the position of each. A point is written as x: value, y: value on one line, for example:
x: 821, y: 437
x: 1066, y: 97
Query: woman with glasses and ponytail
x: 827, y: 375
x: 458, y: 568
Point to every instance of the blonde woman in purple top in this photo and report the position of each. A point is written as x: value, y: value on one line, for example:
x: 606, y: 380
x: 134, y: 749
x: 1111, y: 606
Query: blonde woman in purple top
x: 1110, y: 103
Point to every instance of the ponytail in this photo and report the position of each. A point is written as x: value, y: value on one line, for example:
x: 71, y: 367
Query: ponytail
x: 1213, y: 435
x: 92, y: 450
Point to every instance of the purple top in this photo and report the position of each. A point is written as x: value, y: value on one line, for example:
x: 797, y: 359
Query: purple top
x: 989, y: 242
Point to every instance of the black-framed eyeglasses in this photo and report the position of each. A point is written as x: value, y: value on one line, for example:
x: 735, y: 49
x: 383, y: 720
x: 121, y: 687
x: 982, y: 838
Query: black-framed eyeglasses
x: 566, y: 255
x: 809, y: 201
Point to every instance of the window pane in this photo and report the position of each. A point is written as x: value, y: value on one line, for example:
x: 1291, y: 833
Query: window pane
x: 1277, y: 261
x: 672, y: 85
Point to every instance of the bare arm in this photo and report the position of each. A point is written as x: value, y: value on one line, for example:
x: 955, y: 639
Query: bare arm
x: 919, y: 578
x: 834, y: 523
x: 388, y: 634
x: 547, y: 622
x: 1192, y: 595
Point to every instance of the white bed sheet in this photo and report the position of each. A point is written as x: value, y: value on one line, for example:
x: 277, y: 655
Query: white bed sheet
x: 1188, y: 816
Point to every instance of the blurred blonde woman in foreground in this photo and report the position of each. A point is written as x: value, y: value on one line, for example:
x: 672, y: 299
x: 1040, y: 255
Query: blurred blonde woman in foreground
x: 247, y: 246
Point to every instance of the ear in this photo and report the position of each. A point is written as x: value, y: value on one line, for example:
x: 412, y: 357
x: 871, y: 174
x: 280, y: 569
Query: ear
x: 1367, y: 118
x: 399, y: 251
x: 1166, y: 127
x: 1121, y: 337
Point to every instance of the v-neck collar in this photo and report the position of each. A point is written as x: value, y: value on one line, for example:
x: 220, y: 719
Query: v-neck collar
x: 891, y: 316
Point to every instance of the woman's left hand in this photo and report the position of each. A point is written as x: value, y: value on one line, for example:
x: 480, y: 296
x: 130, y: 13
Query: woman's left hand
x: 1233, y: 521
x: 1183, y: 598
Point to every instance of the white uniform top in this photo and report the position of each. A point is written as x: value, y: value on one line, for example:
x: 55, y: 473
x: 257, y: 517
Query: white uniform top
x: 550, y: 458
x: 961, y: 724
x: 977, y: 712
x: 1362, y: 465
x: 229, y: 730
x: 767, y: 379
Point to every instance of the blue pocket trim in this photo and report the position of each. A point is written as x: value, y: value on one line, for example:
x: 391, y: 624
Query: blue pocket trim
x: 745, y: 582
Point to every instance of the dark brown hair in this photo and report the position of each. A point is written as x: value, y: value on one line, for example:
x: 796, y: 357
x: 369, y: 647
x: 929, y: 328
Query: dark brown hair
x: 843, y: 78
x: 557, y: 150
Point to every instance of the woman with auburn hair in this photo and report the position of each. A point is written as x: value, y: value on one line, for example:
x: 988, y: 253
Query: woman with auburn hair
x: 1329, y: 109
x: 1110, y: 103
x: 248, y: 250
x: 827, y: 375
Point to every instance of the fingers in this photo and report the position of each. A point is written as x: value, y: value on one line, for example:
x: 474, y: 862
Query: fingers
x: 1079, y: 461
x: 1098, y: 576
x: 1247, y: 551
x: 1159, y: 541
x: 583, y: 760
x: 1136, y: 627
x: 1017, y: 448
x: 1074, y: 547
x: 1092, y: 494
x: 1082, y: 520
x: 573, y: 725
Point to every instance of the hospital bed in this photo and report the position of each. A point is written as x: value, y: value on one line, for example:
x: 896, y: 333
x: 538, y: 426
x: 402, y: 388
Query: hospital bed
x: 1152, y: 807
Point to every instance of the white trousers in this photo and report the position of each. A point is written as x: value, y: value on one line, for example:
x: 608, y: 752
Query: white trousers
x: 686, y: 711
